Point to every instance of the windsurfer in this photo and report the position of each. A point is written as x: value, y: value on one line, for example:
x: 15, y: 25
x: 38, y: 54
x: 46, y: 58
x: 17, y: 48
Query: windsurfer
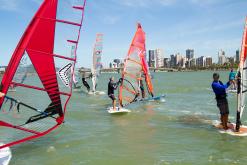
x: 112, y: 86
x: 84, y: 81
x: 232, y: 76
x: 221, y: 98
x: 142, y: 89
x: 1, y: 94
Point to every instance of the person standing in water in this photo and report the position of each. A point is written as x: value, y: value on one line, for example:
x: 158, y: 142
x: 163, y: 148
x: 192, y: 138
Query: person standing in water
x: 84, y: 81
x: 142, y: 89
x: 1, y: 93
x: 112, y: 86
x: 221, y: 98
x: 232, y: 76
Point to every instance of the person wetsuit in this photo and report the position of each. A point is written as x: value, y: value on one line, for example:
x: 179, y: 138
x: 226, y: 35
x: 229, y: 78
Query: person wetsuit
x: 112, y: 86
x: 221, y: 98
x: 142, y: 89
x: 84, y: 81
x: 232, y: 76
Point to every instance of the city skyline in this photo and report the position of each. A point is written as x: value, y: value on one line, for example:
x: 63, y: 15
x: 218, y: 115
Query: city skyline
x: 206, y: 27
x: 156, y: 59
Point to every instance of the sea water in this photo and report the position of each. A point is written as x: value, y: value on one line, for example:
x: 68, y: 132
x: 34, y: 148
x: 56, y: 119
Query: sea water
x: 176, y: 132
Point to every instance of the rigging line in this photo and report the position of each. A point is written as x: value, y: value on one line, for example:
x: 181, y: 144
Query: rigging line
x: 136, y: 96
x: 28, y: 106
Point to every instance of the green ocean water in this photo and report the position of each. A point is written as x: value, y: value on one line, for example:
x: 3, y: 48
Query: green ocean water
x: 175, y: 132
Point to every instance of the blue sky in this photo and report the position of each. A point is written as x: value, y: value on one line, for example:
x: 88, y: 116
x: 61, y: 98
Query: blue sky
x: 173, y: 25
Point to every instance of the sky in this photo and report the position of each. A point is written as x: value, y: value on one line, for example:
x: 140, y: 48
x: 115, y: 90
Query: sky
x: 172, y: 25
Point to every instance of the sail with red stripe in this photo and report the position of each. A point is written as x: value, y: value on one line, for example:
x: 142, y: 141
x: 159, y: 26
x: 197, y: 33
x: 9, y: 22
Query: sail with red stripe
x: 135, y: 68
x: 97, y: 64
x: 242, y: 80
x: 74, y: 71
x: 39, y: 104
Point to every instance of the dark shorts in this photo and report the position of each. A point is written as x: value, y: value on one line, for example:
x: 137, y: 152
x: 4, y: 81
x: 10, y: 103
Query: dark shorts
x: 222, y: 104
x: 112, y: 97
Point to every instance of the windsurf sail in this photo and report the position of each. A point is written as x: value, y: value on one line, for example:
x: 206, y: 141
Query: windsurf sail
x: 242, y: 79
x: 97, y: 65
x: 135, y: 69
x: 39, y: 105
x: 74, y: 71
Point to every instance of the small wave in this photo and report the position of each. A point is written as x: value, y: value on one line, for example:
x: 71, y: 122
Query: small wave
x: 51, y: 149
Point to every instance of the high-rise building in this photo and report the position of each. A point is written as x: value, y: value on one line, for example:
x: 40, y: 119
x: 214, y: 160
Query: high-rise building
x: 209, y: 61
x: 192, y: 62
x: 201, y: 61
x: 117, y: 62
x: 237, y: 57
x: 110, y: 65
x: 230, y: 60
x: 151, y: 58
x: 166, y: 63
x: 184, y: 62
x: 179, y: 60
x: 189, y: 54
x: 172, y: 61
x: 221, y: 57
x: 2, y: 68
x: 159, y: 58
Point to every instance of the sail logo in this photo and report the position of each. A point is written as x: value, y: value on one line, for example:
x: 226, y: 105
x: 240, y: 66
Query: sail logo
x: 63, y: 74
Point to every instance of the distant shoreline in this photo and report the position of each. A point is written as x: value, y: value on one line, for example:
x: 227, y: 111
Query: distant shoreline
x: 119, y: 70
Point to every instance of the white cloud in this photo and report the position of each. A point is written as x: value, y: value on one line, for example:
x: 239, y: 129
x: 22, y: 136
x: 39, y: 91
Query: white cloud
x: 15, y: 5
x: 38, y: 1
x: 145, y: 3
x: 9, y: 5
x: 200, y: 28
x: 110, y: 19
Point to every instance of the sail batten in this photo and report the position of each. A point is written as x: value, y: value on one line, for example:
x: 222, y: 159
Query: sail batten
x: 54, y: 55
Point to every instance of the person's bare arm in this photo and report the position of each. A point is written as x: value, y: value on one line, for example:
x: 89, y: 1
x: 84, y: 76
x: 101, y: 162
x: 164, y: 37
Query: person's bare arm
x: 2, y: 94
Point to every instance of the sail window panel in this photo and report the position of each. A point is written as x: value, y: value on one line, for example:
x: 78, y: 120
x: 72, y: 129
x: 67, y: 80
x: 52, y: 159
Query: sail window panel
x: 26, y: 96
x: 130, y: 88
x: 65, y: 37
x: 65, y: 10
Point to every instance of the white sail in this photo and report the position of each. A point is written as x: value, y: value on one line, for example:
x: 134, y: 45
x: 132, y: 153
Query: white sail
x: 242, y: 80
x: 75, y: 73
x: 97, y: 65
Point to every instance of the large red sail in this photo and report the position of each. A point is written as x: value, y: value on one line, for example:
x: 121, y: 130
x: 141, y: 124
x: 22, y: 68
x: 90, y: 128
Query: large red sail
x: 134, y: 66
x: 38, y: 43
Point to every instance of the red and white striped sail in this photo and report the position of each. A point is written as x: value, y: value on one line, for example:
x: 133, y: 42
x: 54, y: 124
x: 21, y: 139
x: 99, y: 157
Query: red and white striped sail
x: 74, y: 72
x: 242, y: 80
x: 39, y: 104
x: 97, y: 64
x: 134, y: 66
